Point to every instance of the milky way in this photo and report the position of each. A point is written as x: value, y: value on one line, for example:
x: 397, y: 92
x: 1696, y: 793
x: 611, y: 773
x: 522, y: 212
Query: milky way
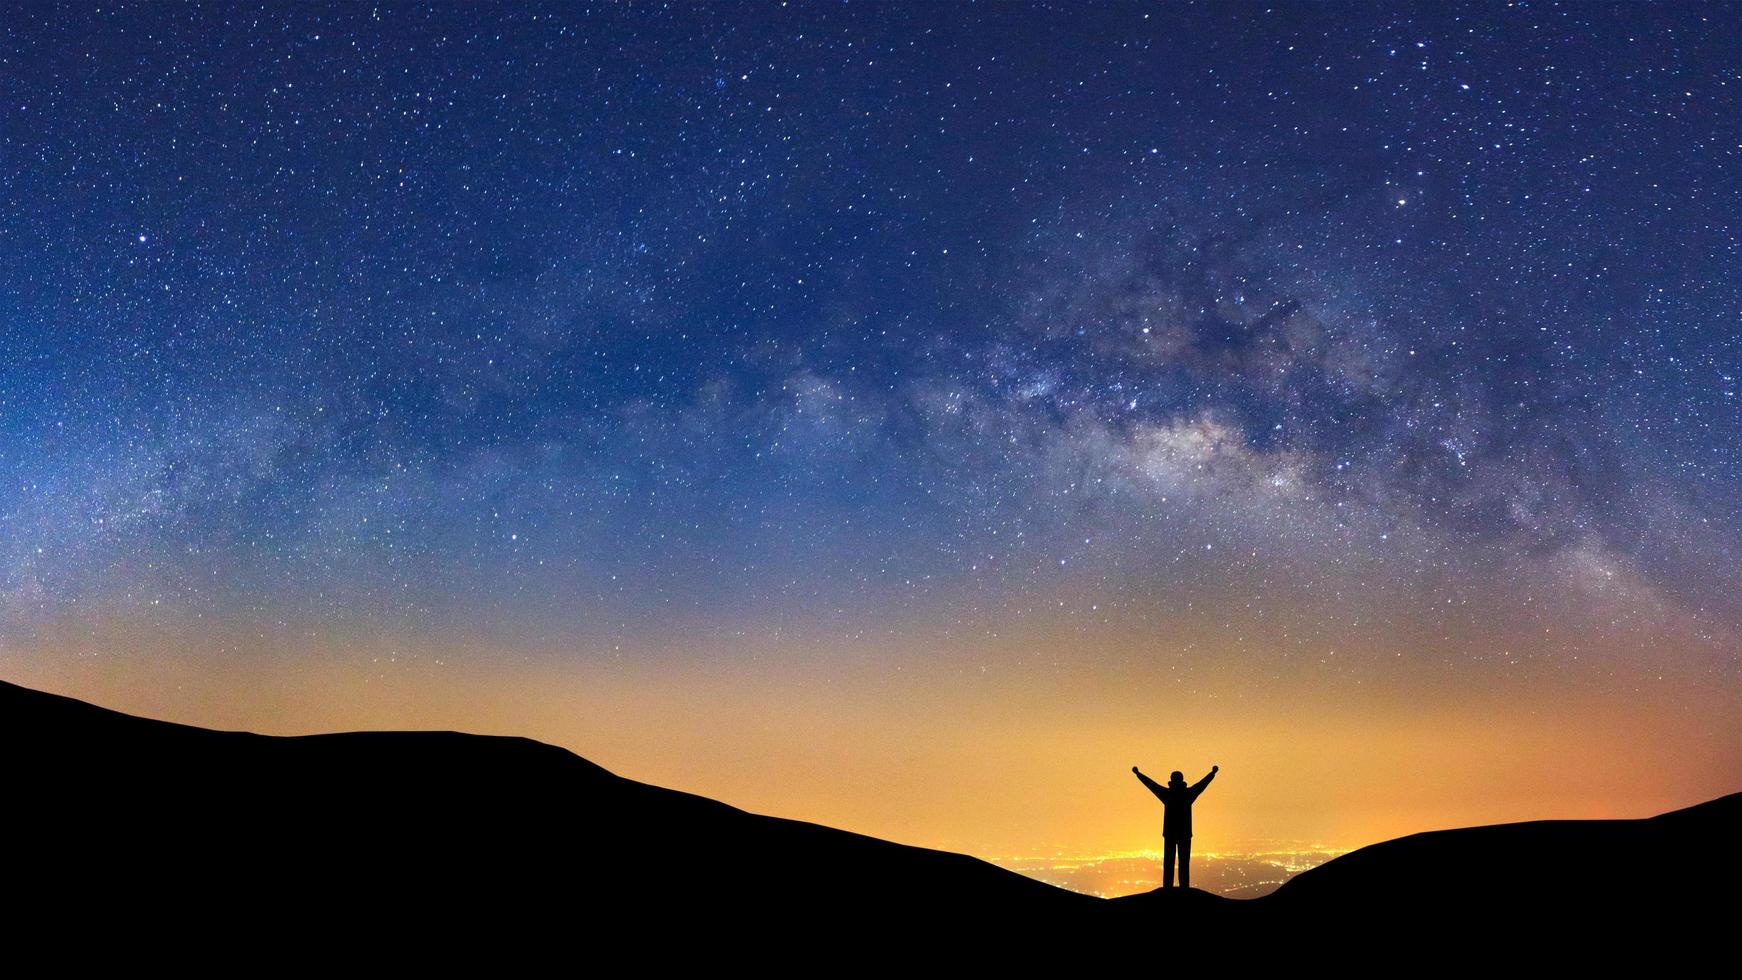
x: 1405, y: 331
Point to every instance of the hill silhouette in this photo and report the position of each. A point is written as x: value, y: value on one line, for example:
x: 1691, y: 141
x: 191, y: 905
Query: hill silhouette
x: 469, y: 842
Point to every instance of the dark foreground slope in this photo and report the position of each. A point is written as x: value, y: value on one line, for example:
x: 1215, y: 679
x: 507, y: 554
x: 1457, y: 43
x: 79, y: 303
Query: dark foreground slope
x: 436, y: 841
x: 1673, y: 872
x: 110, y: 812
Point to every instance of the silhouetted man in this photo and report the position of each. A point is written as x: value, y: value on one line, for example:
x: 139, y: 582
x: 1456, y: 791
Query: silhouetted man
x: 1176, y: 822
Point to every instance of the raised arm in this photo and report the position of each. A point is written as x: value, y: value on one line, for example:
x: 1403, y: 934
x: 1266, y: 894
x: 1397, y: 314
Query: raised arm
x: 1202, y: 784
x: 1154, y: 787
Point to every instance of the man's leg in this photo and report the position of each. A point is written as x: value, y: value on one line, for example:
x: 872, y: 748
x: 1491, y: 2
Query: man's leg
x: 1167, y: 862
x: 1185, y: 862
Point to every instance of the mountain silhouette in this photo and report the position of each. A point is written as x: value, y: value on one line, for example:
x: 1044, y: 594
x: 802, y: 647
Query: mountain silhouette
x: 468, y: 843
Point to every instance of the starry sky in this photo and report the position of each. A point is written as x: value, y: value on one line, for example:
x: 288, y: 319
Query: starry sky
x: 901, y: 416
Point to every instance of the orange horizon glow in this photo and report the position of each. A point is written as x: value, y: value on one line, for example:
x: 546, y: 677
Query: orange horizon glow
x: 1000, y: 758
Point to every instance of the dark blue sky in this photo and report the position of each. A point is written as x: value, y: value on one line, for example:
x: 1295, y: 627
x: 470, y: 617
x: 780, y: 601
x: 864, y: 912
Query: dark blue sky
x: 560, y: 321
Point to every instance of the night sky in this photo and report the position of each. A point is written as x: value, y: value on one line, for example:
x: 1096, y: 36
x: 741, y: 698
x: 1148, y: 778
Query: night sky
x: 906, y: 417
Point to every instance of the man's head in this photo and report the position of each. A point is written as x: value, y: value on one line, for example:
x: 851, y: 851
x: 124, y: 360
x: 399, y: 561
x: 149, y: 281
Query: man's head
x: 1177, y: 777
